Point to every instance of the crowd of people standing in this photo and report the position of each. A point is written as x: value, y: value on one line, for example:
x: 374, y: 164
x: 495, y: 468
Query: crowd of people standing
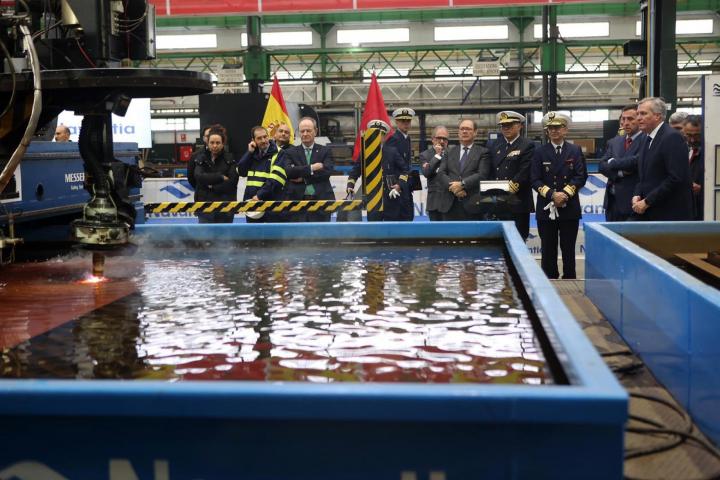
x: 654, y: 170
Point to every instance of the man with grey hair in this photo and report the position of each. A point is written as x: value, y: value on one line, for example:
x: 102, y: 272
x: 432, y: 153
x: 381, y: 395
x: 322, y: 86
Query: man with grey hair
x: 430, y: 161
x: 663, y: 189
x: 677, y: 120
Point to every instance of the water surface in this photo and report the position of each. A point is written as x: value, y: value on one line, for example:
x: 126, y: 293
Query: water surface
x: 354, y: 312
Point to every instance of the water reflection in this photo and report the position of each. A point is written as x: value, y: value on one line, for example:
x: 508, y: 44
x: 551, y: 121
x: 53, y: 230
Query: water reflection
x: 360, y: 313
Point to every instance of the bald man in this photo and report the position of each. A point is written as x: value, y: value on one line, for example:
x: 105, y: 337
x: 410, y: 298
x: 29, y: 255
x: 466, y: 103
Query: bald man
x: 62, y: 133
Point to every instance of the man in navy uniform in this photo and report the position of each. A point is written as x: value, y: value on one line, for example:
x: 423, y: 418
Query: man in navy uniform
x: 400, y: 141
x: 512, y: 155
x: 619, y: 165
x: 558, y: 173
x: 395, y: 179
x: 308, y: 170
x: 430, y: 160
x: 663, y: 191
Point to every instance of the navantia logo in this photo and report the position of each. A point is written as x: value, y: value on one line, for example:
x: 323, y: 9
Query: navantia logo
x: 716, y: 90
x: 119, y: 469
x: 179, y: 189
x: 593, y: 181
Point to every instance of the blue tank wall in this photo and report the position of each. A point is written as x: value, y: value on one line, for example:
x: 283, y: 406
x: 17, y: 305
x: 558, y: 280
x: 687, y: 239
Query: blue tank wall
x: 254, y: 430
x: 668, y: 317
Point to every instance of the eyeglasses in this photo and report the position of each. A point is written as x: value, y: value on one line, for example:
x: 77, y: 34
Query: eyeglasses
x: 508, y: 125
x: 442, y: 139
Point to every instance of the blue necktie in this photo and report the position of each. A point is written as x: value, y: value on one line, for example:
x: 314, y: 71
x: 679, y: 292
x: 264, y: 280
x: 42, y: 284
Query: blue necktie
x: 464, y: 157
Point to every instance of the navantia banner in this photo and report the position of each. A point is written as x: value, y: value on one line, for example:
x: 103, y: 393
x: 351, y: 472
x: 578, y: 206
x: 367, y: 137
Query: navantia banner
x: 258, y: 7
x: 133, y: 127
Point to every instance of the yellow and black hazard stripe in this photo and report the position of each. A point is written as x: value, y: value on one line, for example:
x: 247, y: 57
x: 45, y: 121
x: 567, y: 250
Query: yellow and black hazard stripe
x: 372, y: 169
x: 258, y: 206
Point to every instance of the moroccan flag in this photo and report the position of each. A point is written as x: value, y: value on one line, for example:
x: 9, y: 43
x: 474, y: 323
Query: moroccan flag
x: 276, y: 112
x: 374, y: 110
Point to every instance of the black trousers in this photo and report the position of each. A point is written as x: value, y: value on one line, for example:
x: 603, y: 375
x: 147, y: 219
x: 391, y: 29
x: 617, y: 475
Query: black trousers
x: 612, y: 214
x: 549, y: 231
x: 522, y: 223
x: 457, y: 213
x: 434, y: 215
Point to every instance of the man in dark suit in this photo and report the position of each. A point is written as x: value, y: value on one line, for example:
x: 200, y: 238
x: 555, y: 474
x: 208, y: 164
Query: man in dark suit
x: 394, y: 179
x: 663, y: 190
x: 430, y: 161
x: 512, y: 155
x: 466, y: 164
x: 693, y: 136
x: 558, y: 173
x: 308, y: 168
x: 619, y: 165
x: 400, y: 141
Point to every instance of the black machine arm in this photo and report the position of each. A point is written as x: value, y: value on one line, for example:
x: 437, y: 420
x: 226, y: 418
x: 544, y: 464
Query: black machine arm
x: 84, y: 48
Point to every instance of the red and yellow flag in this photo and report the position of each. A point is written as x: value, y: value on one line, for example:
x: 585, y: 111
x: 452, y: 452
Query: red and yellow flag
x: 276, y: 112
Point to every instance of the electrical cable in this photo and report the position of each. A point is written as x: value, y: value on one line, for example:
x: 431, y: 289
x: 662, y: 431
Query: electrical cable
x: 46, y: 30
x: 677, y: 436
x: 84, y: 54
x: 11, y: 65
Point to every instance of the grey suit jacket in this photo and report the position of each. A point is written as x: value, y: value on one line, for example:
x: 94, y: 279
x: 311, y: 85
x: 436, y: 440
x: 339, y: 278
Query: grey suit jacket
x: 477, y: 167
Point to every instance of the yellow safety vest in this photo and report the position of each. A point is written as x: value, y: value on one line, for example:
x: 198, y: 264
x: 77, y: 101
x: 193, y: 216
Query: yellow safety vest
x: 257, y: 178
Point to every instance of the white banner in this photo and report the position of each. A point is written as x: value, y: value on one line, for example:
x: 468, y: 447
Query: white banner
x: 133, y: 127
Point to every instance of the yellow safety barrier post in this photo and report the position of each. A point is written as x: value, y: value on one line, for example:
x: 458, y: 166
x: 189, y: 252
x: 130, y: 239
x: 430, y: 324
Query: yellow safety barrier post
x: 372, y: 173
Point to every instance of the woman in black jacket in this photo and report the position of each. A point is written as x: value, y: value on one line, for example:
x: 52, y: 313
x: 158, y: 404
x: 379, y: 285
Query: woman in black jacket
x: 216, y: 178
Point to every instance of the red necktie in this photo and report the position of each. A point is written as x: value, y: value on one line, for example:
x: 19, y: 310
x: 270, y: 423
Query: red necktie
x: 693, y: 154
x: 628, y: 142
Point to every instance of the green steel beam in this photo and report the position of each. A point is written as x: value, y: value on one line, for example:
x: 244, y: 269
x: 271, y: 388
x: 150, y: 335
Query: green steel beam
x: 518, y: 59
x: 428, y: 15
x: 420, y: 48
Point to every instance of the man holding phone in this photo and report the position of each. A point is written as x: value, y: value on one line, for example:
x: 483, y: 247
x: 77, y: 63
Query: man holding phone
x: 264, y: 166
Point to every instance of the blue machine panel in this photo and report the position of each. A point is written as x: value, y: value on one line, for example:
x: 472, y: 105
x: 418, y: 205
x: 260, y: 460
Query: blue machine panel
x: 254, y: 430
x: 50, y: 181
x: 667, y: 316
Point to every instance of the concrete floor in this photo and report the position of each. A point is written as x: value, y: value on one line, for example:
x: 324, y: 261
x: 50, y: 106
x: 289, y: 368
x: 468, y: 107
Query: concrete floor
x: 684, y: 462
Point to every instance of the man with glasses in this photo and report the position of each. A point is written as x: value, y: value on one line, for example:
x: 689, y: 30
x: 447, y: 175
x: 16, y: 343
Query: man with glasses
x: 460, y: 173
x: 511, y: 161
x: 430, y: 161
x: 558, y: 173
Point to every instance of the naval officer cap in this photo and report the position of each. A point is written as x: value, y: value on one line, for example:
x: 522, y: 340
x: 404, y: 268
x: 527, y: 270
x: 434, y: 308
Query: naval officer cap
x: 508, y: 116
x: 403, y: 114
x: 379, y: 124
x: 556, y: 119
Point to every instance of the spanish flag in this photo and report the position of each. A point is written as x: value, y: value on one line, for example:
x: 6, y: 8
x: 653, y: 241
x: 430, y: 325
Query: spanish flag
x: 276, y: 112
